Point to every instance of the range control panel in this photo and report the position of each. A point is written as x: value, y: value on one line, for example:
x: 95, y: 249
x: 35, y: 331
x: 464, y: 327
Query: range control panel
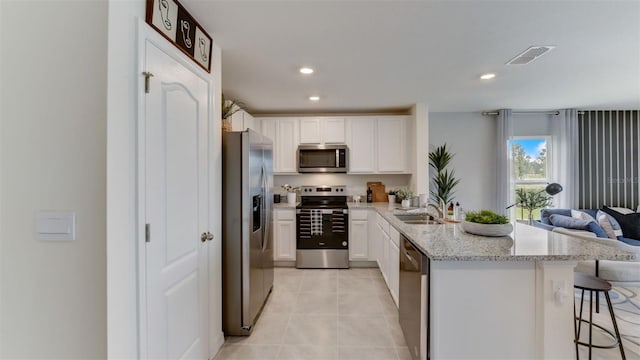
x: 322, y: 190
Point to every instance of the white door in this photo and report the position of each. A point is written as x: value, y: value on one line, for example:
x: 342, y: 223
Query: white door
x: 176, y: 189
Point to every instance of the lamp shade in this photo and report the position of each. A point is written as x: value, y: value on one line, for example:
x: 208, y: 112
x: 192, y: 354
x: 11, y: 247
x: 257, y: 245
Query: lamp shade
x: 553, y: 189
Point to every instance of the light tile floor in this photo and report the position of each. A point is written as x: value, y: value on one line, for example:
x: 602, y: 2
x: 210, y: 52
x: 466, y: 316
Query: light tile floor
x: 324, y: 315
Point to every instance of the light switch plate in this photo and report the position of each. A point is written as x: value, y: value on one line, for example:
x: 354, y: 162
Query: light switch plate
x: 56, y: 225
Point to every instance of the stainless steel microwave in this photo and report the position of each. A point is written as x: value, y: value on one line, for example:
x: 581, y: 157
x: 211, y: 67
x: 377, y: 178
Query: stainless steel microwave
x: 322, y: 158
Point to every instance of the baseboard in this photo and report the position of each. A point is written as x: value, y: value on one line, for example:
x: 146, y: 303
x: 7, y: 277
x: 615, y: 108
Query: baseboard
x: 218, y: 341
x: 363, y: 264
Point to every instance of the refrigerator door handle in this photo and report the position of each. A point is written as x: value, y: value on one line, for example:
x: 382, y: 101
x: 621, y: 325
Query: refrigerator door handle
x: 267, y: 210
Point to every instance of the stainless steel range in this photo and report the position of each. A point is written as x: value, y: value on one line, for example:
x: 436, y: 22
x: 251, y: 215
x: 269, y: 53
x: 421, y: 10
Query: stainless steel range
x: 322, y: 219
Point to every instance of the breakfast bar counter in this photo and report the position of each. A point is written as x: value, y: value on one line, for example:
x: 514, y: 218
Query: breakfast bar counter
x: 448, y: 242
x: 497, y: 297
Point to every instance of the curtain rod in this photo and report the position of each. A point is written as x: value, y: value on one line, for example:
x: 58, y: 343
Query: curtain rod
x: 523, y: 112
x: 530, y: 112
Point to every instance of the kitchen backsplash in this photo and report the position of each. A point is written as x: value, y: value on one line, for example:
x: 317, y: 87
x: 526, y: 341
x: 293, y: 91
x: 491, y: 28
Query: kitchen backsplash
x: 356, y: 184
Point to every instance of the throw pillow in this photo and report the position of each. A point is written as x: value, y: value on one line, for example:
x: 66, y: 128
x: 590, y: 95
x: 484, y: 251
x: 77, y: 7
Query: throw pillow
x: 629, y: 223
x: 569, y: 222
x: 581, y: 215
x: 609, y: 224
x: 621, y: 210
x: 545, y: 213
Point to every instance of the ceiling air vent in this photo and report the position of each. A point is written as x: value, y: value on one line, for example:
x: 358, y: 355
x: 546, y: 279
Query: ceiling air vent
x: 530, y: 54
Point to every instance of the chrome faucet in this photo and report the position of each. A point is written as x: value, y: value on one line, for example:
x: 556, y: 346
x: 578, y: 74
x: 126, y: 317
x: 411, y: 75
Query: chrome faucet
x: 440, y: 214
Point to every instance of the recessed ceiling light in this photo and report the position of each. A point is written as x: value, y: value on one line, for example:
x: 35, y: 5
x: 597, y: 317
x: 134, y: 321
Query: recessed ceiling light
x: 314, y: 98
x: 487, y: 76
x: 306, y: 70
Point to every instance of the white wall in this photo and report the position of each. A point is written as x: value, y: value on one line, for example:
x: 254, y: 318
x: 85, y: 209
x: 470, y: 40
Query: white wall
x: 121, y: 178
x: 420, y: 149
x: 53, y: 150
x: 472, y: 137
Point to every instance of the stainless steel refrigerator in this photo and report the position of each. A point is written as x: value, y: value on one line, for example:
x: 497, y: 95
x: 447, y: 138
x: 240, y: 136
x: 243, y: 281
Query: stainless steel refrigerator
x: 247, y: 244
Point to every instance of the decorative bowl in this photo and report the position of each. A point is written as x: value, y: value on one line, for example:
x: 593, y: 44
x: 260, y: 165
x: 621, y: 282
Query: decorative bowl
x: 487, y: 229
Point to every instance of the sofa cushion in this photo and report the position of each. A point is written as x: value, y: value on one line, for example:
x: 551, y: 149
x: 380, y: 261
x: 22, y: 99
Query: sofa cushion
x: 609, y: 224
x: 633, y: 242
x: 629, y: 223
x: 578, y: 224
x: 545, y: 213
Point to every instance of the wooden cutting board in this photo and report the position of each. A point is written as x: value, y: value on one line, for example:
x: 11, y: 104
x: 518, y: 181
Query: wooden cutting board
x: 379, y: 192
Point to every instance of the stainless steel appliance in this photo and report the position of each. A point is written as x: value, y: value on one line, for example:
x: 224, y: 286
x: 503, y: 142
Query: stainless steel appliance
x: 247, y: 247
x: 413, y: 310
x: 322, y: 158
x: 322, y: 223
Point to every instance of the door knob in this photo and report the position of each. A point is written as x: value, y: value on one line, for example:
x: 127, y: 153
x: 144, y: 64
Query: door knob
x: 206, y: 236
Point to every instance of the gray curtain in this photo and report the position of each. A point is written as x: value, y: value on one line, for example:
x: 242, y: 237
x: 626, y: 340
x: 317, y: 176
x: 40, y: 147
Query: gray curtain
x: 505, y: 183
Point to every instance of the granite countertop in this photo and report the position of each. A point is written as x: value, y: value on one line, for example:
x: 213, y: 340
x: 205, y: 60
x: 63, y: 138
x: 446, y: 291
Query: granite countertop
x: 448, y: 242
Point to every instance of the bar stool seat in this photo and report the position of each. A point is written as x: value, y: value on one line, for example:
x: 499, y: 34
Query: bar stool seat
x: 593, y: 284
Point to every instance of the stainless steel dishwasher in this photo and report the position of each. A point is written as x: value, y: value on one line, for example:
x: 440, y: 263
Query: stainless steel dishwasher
x: 414, y: 299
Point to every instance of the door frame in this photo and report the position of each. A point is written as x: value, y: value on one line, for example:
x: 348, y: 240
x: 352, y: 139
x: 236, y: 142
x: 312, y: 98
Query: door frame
x: 146, y: 33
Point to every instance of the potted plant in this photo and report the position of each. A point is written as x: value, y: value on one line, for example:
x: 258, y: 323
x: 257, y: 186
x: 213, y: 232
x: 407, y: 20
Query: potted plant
x: 230, y: 107
x: 291, y: 193
x: 486, y: 223
x: 443, y: 181
x: 392, y: 196
x: 531, y: 199
x: 405, y: 196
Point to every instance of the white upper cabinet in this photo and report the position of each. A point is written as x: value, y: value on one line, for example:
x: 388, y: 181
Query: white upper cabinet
x: 322, y: 130
x: 242, y: 120
x: 284, y: 133
x: 310, y: 131
x: 378, y: 144
x: 361, y: 136
x: 287, y: 145
x: 392, y: 144
x: 334, y: 129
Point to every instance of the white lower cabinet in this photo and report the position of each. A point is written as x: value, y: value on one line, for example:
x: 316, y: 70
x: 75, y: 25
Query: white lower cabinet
x: 284, y: 234
x: 394, y: 264
x: 358, y: 235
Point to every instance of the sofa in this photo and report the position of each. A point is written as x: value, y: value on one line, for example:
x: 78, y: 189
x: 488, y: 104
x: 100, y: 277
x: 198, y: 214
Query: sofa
x: 600, y: 225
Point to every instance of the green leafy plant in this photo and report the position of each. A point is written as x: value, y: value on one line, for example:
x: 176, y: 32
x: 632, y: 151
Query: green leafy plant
x: 404, y: 194
x: 532, y: 199
x: 444, y: 181
x: 230, y: 107
x: 486, y: 217
x: 392, y: 192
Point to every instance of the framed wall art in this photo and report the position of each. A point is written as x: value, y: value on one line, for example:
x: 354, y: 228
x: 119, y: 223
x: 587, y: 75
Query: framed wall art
x: 172, y: 21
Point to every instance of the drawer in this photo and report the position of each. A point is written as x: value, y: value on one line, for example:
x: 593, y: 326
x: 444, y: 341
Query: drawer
x: 359, y: 214
x: 394, y: 235
x: 384, y: 224
x: 285, y: 214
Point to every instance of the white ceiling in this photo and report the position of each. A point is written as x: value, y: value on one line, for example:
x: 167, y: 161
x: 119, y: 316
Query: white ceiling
x: 381, y: 56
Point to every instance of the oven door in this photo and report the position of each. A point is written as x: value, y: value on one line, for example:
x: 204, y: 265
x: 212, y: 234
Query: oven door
x: 322, y: 228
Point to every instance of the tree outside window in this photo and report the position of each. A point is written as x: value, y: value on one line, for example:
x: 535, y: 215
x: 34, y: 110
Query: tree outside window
x: 531, y: 171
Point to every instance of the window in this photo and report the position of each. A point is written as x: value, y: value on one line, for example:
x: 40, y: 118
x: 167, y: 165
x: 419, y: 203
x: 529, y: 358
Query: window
x: 531, y: 170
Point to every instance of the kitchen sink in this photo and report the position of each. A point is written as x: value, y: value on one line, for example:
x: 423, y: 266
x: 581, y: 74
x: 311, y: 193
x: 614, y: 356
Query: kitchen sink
x: 422, y: 219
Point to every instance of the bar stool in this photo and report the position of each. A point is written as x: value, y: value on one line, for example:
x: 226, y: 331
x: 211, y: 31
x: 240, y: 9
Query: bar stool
x: 593, y: 284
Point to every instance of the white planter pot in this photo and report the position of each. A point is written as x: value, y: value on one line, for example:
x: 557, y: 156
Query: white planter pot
x: 406, y: 203
x: 392, y: 199
x: 487, y: 229
x: 291, y: 198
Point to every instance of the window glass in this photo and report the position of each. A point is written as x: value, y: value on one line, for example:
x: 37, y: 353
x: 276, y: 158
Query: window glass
x: 531, y: 171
